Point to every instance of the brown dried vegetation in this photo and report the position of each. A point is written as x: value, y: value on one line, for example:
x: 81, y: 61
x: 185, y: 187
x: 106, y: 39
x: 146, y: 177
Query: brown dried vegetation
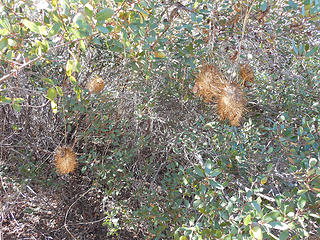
x: 231, y: 103
x: 229, y: 97
x: 246, y: 74
x: 65, y: 160
x: 96, y: 85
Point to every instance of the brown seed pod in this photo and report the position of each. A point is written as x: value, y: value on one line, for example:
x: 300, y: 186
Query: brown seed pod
x: 209, y: 82
x: 65, y: 160
x: 231, y: 103
x: 96, y: 85
x: 246, y: 74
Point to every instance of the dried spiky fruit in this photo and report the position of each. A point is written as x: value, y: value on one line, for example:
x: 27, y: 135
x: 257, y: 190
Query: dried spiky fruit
x: 209, y: 82
x: 231, y: 103
x: 246, y: 73
x: 96, y: 85
x: 65, y: 160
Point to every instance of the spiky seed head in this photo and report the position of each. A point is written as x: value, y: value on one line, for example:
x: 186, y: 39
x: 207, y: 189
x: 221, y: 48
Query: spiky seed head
x: 209, y: 82
x: 96, y: 85
x: 246, y: 73
x: 65, y: 160
x: 231, y: 103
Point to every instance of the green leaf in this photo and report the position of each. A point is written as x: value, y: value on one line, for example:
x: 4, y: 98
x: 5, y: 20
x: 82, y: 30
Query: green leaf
x: 3, y: 43
x: 303, y: 11
x: 256, y: 206
x: 183, y: 238
x: 271, y: 216
x: 215, y: 172
x: 302, y: 202
x: 5, y: 99
x: 295, y: 47
x: 82, y: 45
x: 279, y: 225
x: 199, y: 171
x: 311, y: 52
x: 208, y: 167
x: 69, y: 68
x: 312, y: 162
x: 73, y: 80
x: 300, y: 131
x: 52, y: 93
x: 256, y: 232
x: 54, y: 107
x: 32, y: 26
x: 247, y: 220
x: 314, y: 215
x: 293, y: 4
x: 16, y: 106
x: 301, y: 49
x: 270, y: 150
x: 48, y: 80
x: 54, y: 30
x: 197, y: 203
x: 104, y: 14
x: 215, y: 184
x: 88, y: 9
x: 79, y: 19
x: 284, y: 235
x: 59, y: 90
x: 264, y: 180
x: 103, y: 29
x: 264, y: 6
x: 18, y: 100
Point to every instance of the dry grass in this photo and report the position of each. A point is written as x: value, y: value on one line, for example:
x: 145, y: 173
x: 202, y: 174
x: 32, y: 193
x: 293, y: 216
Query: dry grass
x: 229, y: 97
x: 65, y: 160
x: 96, y: 85
x: 246, y: 74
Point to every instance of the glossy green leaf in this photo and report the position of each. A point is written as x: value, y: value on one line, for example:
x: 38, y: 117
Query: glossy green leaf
x: 104, y: 14
x: 54, y: 107
x: 301, y: 49
x: 284, y: 235
x: 5, y: 99
x: 54, y: 30
x: 16, y: 106
x: 3, y: 43
x: 279, y: 225
x: 31, y: 25
x: 294, y: 46
x: 79, y: 19
x: 312, y: 162
x: 302, y: 202
x: 293, y: 4
x: 19, y: 100
x: 208, y: 167
x: 215, y: 172
x: 264, y: 6
x: 103, y: 29
x: 311, y: 52
x: 303, y: 11
x: 88, y: 9
x: 256, y: 206
x: 59, y: 90
x: 271, y: 216
x: 73, y: 80
x: 256, y: 232
x: 247, y: 220
x: 199, y: 171
x: 69, y: 69
x: 52, y: 93
x: 48, y: 80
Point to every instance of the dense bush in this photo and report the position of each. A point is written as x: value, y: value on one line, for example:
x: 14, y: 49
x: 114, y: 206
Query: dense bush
x: 113, y: 81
